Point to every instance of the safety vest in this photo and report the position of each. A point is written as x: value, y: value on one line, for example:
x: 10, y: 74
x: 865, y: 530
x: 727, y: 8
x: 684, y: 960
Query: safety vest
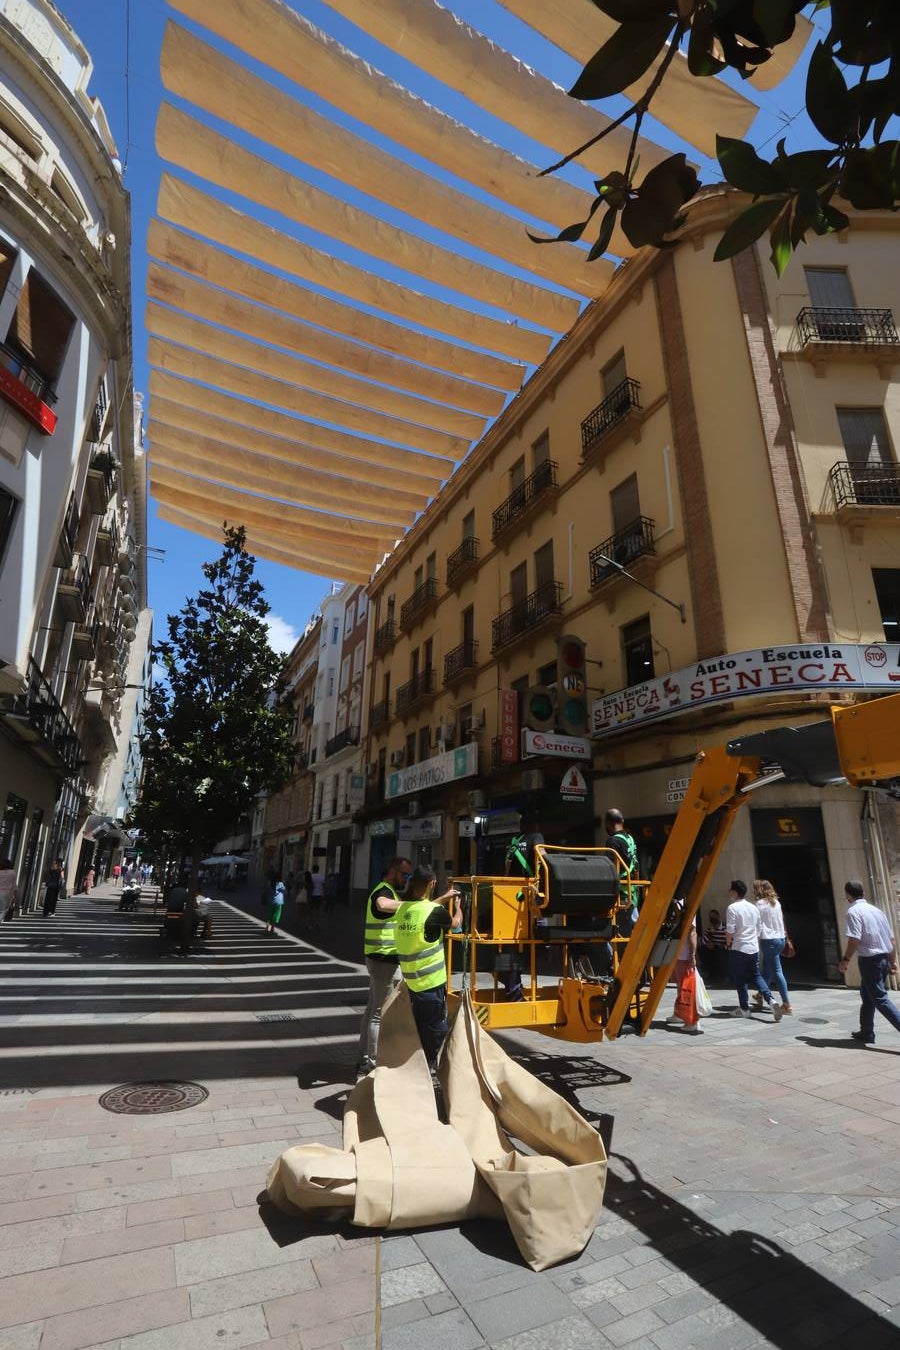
x: 379, y: 933
x: 422, y: 962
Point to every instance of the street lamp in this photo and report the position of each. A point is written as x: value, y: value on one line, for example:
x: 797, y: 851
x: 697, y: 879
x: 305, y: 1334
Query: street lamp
x: 611, y: 562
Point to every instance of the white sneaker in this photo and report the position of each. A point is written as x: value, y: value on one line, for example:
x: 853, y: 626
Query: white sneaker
x: 740, y: 1012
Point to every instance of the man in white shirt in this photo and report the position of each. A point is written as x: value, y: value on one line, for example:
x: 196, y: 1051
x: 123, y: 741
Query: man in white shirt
x: 742, y: 925
x: 871, y: 940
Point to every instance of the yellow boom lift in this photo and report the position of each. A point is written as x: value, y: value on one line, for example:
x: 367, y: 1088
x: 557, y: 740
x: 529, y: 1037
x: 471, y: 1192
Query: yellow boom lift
x: 575, y: 911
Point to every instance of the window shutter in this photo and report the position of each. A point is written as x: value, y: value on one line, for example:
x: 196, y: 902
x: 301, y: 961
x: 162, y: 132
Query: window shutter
x: 864, y: 434
x: 8, y: 255
x: 42, y: 326
x: 829, y: 288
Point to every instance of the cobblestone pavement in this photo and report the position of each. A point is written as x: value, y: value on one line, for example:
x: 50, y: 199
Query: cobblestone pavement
x: 753, y: 1200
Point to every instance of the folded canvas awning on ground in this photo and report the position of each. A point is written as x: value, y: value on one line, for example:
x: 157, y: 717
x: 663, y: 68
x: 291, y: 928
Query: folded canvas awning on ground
x: 350, y: 296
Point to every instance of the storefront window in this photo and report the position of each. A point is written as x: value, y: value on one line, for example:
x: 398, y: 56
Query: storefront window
x: 11, y: 826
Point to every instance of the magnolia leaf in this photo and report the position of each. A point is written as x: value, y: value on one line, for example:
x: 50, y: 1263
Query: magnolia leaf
x: 630, y: 52
x: 871, y: 178
x: 607, y: 225
x: 775, y: 20
x: 828, y: 100
x: 651, y: 212
x: 748, y: 227
x: 807, y: 168
x: 701, y: 61
x: 569, y: 234
x: 782, y: 245
x: 744, y: 169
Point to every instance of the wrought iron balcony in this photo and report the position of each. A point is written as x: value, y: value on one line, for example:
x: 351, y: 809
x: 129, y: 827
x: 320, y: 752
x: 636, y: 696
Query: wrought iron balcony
x: 420, y: 603
x: 865, y: 484
x: 462, y: 561
x: 385, y: 635
x: 461, y: 661
x: 36, y: 717
x: 416, y: 691
x: 301, y: 760
x: 862, y: 327
x: 526, y: 615
x: 73, y: 594
x: 622, y: 548
x: 107, y: 550
x: 15, y: 360
x: 525, y: 498
x: 65, y: 545
x: 615, y: 411
x: 349, y: 736
x: 100, y: 483
x: 380, y: 715
x: 308, y: 710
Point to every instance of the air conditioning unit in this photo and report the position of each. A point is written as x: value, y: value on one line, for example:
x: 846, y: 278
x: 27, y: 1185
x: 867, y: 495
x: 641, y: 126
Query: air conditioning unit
x: 473, y: 725
x: 414, y: 808
x: 397, y: 757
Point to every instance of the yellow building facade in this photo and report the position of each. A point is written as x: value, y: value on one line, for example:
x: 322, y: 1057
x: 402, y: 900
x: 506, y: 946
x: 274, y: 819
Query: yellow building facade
x: 728, y: 439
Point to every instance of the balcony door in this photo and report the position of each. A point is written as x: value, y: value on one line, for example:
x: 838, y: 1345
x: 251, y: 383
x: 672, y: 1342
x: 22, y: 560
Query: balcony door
x: 868, y: 450
x: 613, y: 374
x: 829, y: 288
x: 543, y: 566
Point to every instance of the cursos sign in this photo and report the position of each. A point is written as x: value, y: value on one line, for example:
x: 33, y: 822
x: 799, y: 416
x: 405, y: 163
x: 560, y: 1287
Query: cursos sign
x: 871, y: 667
x: 445, y: 768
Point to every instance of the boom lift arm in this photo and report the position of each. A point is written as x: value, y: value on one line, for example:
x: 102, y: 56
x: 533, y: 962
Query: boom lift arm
x: 859, y: 744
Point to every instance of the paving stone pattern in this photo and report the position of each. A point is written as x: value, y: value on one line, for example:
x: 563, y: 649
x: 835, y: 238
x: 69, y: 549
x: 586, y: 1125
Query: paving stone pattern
x: 753, y: 1197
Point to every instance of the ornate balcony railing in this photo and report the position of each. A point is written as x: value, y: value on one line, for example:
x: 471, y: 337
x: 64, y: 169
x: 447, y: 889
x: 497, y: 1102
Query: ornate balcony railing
x: 349, y: 736
x: 37, y: 718
x: 862, y: 327
x: 462, y: 561
x: 622, y: 548
x: 526, y: 615
x: 865, y: 484
x: 385, y: 635
x: 461, y: 660
x: 423, y: 599
x: 14, y: 359
x: 68, y: 537
x: 615, y: 408
x: 380, y: 715
x: 415, y: 691
x: 100, y: 483
x: 522, y: 499
x: 107, y: 550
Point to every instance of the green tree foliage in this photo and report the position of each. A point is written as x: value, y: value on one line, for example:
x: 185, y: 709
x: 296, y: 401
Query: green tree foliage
x: 213, y: 738
x: 852, y: 93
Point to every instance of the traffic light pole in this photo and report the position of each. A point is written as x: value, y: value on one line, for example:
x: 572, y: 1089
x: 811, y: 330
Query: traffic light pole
x: 665, y: 599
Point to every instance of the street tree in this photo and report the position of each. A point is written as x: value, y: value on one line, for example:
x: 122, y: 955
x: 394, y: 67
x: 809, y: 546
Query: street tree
x: 213, y: 738
x: 852, y: 95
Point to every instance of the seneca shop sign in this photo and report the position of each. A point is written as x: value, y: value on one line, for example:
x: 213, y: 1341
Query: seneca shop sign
x: 849, y: 666
x: 445, y: 768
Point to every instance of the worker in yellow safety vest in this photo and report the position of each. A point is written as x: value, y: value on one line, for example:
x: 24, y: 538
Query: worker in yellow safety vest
x: 380, y: 949
x: 420, y: 925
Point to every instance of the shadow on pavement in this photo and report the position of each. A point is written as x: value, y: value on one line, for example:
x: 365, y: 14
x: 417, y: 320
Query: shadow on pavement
x: 788, y: 1303
x: 845, y: 1043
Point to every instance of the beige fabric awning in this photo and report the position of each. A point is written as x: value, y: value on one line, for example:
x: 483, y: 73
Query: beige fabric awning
x: 420, y: 469
x: 218, y: 85
x: 230, y: 311
x: 211, y: 341
x: 326, y: 351
x: 182, y: 251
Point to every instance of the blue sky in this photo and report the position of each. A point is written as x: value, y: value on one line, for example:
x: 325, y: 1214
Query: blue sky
x: 124, y: 38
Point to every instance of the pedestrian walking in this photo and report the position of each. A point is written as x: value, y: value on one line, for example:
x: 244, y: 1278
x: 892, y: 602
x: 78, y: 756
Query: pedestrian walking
x: 276, y: 905
x: 420, y: 925
x: 116, y: 873
x: 742, y: 927
x: 316, y: 897
x: 380, y: 951
x: 89, y: 878
x: 54, y: 887
x: 772, y: 939
x: 8, y: 893
x: 685, y: 983
x: 870, y: 939
x: 715, y: 947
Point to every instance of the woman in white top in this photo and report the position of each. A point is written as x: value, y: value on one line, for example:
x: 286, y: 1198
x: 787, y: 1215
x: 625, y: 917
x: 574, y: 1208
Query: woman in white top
x: 772, y: 937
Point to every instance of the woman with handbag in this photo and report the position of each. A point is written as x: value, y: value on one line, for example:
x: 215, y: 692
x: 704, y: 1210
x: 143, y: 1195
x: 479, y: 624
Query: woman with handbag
x: 772, y: 942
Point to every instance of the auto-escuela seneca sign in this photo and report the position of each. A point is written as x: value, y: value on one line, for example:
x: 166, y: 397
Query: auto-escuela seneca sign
x: 864, y: 667
x: 452, y: 764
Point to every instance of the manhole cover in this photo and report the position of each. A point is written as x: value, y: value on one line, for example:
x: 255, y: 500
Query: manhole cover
x: 152, y: 1099
x: 815, y: 1021
x: 275, y: 1017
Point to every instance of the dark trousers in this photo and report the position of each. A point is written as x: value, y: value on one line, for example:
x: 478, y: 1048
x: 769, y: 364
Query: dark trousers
x: 744, y: 970
x: 51, y: 897
x: 430, y: 1011
x: 873, y: 971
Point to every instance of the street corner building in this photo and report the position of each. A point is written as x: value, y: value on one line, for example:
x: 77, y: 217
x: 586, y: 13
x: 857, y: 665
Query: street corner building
x: 682, y: 530
x: 75, y: 626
